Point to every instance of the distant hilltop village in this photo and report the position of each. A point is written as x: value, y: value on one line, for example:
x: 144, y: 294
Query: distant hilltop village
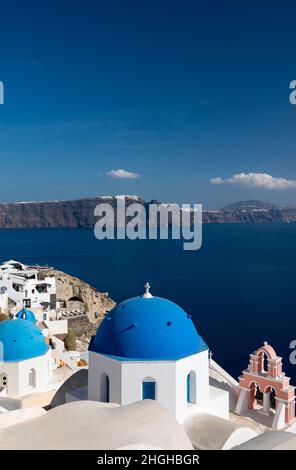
x: 146, y: 380
x: 80, y: 212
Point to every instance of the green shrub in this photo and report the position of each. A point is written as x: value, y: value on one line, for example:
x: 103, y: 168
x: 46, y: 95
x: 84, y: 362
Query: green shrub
x: 3, y: 317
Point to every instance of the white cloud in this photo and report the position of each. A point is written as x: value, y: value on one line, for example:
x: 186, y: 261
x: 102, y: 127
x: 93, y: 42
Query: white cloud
x: 122, y: 174
x: 256, y: 180
x: 217, y: 180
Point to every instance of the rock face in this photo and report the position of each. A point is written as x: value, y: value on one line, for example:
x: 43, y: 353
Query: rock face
x: 80, y: 213
x: 247, y: 216
x: 80, y: 295
x: 250, y: 204
x: 55, y: 214
x: 83, y: 330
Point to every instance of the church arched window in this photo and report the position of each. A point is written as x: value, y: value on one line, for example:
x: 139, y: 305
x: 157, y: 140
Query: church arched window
x: 148, y: 389
x: 105, y: 388
x: 32, y: 378
x: 191, y: 387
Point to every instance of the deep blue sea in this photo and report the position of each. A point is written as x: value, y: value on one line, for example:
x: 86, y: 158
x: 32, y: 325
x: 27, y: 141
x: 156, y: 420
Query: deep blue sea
x: 240, y: 287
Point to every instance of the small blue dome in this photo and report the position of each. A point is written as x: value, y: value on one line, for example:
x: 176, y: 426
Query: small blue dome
x: 20, y: 339
x: 147, y: 329
x: 25, y: 314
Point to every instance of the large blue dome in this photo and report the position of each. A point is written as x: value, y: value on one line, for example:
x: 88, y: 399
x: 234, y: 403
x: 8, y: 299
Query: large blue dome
x: 20, y: 339
x: 150, y: 328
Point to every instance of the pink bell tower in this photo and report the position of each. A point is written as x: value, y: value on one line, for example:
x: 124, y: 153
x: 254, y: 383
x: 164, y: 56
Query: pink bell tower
x: 264, y: 378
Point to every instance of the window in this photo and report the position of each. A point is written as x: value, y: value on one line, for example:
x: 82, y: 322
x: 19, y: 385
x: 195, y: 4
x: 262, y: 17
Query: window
x: 191, y: 387
x: 17, y: 287
x: 42, y: 288
x: 105, y: 388
x: 44, y: 317
x: 148, y: 389
x: 32, y: 378
x: 3, y: 380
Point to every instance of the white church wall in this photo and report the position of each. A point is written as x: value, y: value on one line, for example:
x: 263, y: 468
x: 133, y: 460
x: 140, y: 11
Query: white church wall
x: 99, y: 365
x: 10, y: 369
x: 41, y: 366
x: 18, y: 375
x: 126, y: 378
x: 199, y: 365
x: 218, y: 404
x: 164, y: 375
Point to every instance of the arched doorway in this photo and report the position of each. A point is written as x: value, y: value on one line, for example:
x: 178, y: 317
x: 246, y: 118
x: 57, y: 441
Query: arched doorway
x: 191, y: 387
x: 148, y: 389
x: 105, y: 388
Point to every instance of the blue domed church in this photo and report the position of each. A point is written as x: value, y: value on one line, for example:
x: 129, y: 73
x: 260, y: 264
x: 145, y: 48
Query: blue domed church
x: 148, y: 348
x: 25, y: 357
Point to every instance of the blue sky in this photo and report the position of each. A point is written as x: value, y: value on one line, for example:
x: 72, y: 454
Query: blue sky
x: 175, y: 92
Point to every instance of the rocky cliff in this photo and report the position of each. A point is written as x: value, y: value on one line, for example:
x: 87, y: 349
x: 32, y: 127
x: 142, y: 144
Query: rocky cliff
x: 80, y: 213
x: 77, y: 294
x: 76, y: 213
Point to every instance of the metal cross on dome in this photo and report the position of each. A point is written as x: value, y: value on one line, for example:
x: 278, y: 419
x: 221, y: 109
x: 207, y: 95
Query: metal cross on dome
x: 147, y: 293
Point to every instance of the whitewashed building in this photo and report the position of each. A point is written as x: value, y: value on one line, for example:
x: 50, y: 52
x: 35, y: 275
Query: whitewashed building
x: 20, y: 286
x: 148, y: 348
x: 25, y: 358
